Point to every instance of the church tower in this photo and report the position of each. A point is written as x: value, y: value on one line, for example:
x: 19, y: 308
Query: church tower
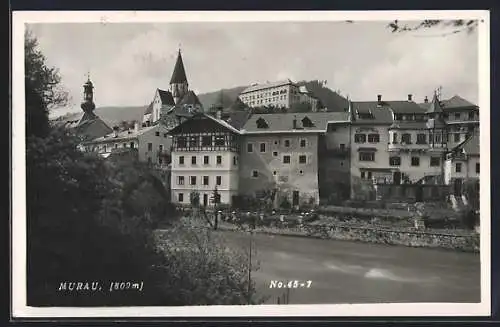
x: 178, y: 82
x: 88, y: 104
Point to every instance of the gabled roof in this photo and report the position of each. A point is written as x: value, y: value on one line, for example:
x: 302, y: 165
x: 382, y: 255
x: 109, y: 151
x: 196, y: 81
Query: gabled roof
x: 436, y: 106
x: 149, y: 109
x: 179, y: 74
x: 266, y: 85
x: 453, y: 103
x: 190, y: 99
x: 283, y: 122
x: 202, y: 115
x: 237, y: 119
x: 166, y: 97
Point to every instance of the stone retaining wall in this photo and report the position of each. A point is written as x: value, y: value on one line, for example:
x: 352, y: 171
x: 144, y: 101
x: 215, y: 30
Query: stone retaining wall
x: 463, y: 241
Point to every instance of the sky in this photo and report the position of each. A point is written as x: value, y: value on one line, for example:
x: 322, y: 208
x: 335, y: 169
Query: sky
x: 128, y: 62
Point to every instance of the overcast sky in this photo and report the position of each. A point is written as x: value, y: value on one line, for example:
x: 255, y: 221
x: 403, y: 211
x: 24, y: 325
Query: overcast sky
x: 127, y: 62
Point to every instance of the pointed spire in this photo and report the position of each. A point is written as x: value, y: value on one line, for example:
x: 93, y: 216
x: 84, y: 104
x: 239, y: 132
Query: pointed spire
x: 179, y: 74
x: 435, y: 106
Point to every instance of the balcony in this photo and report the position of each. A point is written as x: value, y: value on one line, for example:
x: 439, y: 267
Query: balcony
x: 407, y: 147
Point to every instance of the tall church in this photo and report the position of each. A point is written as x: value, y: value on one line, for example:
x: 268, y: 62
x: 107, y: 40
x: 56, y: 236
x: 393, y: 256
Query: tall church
x: 176, y: 104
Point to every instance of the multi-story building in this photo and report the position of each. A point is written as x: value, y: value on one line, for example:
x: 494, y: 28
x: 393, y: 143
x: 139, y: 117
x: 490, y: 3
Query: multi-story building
x: 280, y: 152
x: 280, y: 94
x: 148, y: 144
x: 205, y: 157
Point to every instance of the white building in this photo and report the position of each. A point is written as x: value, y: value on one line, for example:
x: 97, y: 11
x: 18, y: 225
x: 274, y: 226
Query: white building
x: 205, y: 157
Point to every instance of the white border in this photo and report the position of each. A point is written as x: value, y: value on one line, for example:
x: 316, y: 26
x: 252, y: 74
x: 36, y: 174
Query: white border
x: 20, y: 310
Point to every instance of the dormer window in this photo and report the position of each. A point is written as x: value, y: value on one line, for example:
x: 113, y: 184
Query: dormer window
x: 306, y: 122
x: 261, y: 123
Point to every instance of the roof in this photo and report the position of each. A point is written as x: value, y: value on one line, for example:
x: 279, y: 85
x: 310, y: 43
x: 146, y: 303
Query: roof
x: 409, y: 125
x: 470, y: 146
x: 381, y: 115
x: 303, y: 89
x: 267, y: 85
x: 125, y: 135
x: 179, y: 74
x: 237, y: 119
x: 435, y: 106
x: 223, y: 123
x: 201, y: 115
x: 166, y: 97
x: 398, y: 106
x: 283, y: 122
x: 455, y: 102
x: 149, y: 109
x: 190, y: 99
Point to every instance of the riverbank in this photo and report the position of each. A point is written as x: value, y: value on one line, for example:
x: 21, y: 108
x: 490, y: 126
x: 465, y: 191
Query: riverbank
x: 459, y: 240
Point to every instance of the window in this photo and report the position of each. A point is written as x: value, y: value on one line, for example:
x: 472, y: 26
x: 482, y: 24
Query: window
x: 456, y: 137
x: 249, y: 147
x: 219, y: 160
x: 359, y: 138
x: 193, y: 160
x: 415, y: 161
x: 220, y: 140
x: 206, y: 141
x: 373, y: 138
x: 435, y: 161
x: 181, y: 142
x: 205, y: 180
x: 303, y: 143
x: 458, y: 167
x: 181, y: 160
x: 160, y: 160
x: 395, y: 138
x: 192, y: 180
x: 116, y: 145
x: 165, y: 134
x: 150, y: 146
x: 275, y: 153
x: 362, y: 175
x: 395, y: 161
x: 235, y: 160
x: 132, y: 144
x: 180, y: 180
x: 366, y: 156
x: 302, y: 159
x: 477, y: 168
x: 421, y: 139
x: 193, y: 141
x: 406, y: 138
x: 218, y: 180
x: 181, y: 197
x: 287, y: 143
x: 437, y: 138
x: 301, y: 172
x: 342, y: 146
x: 157, y: 133
x: 276, y: 142
x: 255, y: 173
x: 286, y: 159
x: 457, y: 115
x: 274, y: 173
x: 206, y: 160
x: 160, y: 147
x: 262, y: 147
x: 471, y: 115
x: 369, y: 175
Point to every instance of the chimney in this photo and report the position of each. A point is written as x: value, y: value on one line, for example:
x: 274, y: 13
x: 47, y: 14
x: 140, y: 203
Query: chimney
x: 136, y: 126
x: 218, y: 113
x: 426, y: 100
x: 294, y: 122
x: 379, y: 99
x: 409, y: 98
x: 115, y: 131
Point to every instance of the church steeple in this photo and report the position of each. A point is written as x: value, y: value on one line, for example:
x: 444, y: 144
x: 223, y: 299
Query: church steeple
x: 178, y: 81
x: 88, y: 104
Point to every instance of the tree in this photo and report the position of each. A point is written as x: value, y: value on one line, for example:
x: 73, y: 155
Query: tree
x: 42, y: 88
x: 458, y: 25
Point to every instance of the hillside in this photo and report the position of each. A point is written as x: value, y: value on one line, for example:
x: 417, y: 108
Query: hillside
x: 114, y: 115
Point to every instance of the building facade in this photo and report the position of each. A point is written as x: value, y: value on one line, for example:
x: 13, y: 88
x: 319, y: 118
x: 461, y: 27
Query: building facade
x: 280, y: 94
x: 205, y: 158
